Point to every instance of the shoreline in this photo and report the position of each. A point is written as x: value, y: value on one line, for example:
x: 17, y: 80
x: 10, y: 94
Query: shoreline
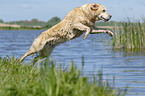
x: 18, y: 27
x: 22, y: 27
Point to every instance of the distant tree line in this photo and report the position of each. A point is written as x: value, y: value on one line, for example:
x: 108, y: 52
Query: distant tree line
x: 35, y: 22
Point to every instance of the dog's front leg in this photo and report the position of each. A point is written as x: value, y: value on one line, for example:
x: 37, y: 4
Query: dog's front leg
x: 82, y: 27
x: 94, y: 31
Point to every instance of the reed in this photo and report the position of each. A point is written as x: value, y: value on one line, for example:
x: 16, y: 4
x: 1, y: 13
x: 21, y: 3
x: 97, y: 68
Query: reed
x: 50, y: 79
x: 131, y: 36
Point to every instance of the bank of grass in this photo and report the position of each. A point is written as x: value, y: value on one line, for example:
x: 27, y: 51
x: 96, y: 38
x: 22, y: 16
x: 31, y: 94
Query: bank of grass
x: 20, y: 79
x: 130, y: 37
x: 20, y: 28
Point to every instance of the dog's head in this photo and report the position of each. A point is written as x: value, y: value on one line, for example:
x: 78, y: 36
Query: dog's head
x: 99, y: 12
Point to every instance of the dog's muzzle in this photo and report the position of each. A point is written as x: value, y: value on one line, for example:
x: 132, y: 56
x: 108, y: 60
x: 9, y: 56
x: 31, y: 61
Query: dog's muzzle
x: 105, y: 17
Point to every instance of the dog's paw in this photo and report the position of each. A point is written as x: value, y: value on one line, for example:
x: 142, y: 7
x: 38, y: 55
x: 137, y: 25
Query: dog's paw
x: 84, y: 37
x: 109, y: 33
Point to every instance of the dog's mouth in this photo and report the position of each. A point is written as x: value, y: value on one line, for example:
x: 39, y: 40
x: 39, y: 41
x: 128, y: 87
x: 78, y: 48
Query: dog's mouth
x: 104, y: 19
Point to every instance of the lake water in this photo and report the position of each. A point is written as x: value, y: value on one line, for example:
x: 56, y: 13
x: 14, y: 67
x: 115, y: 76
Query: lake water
x: 128, y: 68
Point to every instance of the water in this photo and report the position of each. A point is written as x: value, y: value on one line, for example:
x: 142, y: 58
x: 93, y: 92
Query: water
x: 128, y: 68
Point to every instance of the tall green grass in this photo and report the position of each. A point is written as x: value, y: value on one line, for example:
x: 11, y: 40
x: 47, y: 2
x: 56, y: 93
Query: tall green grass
x: 20, y: 79
x: 131, y: 36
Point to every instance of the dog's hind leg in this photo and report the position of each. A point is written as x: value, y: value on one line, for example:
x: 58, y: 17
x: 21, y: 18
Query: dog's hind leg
x: 45, y: 48
x: 37, y: 58
x: 43, y: 53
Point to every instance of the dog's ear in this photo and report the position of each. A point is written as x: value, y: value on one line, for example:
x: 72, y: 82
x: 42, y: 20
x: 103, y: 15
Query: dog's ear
x: 94, y: 7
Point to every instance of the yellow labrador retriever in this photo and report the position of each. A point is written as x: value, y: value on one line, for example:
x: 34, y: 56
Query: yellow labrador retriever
x: 75, y: 23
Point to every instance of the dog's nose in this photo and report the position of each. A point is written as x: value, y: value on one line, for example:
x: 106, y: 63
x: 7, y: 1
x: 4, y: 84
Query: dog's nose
x: 109, y: 17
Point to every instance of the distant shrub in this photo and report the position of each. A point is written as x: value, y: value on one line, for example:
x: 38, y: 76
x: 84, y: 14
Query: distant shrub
x: 53, y: 21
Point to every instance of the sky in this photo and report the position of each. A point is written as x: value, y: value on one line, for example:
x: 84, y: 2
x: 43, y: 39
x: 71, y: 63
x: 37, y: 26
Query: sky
x: 15, y: 10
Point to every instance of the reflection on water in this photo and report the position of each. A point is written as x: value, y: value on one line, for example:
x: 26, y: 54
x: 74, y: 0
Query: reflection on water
x: 128, y: 68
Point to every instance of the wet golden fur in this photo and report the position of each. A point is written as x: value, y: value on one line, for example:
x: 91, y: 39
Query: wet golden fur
x: 75, y: 23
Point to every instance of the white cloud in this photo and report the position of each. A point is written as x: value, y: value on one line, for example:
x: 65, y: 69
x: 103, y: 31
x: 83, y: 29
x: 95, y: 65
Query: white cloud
x: 25, y: 6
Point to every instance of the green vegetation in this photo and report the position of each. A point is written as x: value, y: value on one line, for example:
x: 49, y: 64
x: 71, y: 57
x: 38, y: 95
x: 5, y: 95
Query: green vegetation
x: 1, y: 21
x: 52, y: 22
x: 130, y: 37
x: 33, y: 24
x: 20, y: 28
x: 20, y: 79
x: 110, y: 23
x: 36, y: 22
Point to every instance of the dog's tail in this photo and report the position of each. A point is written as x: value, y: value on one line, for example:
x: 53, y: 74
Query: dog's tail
x: 25, y: 55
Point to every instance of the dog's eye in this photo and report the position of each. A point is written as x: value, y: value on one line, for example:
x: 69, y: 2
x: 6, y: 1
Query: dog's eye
x: 104, y: 10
